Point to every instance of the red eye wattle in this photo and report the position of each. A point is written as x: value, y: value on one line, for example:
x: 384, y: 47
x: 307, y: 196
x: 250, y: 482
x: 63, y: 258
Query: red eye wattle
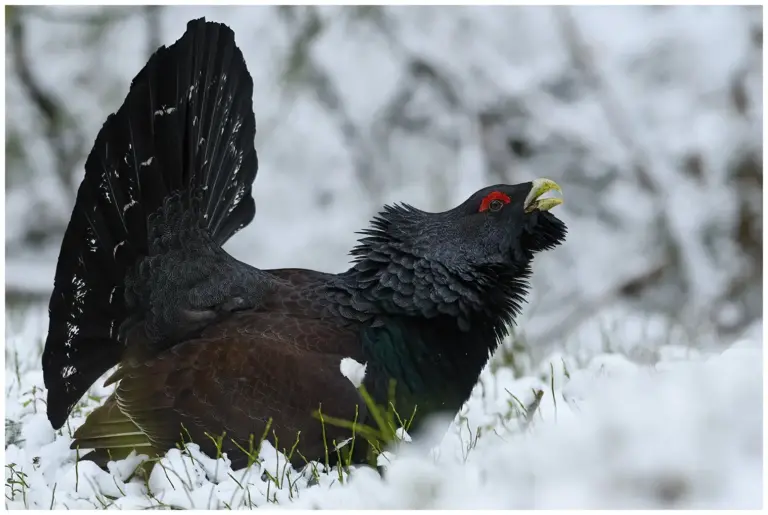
x: 488, y: 201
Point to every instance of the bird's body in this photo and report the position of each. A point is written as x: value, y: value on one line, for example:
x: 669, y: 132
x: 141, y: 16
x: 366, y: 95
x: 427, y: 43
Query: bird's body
x: 207, y: 345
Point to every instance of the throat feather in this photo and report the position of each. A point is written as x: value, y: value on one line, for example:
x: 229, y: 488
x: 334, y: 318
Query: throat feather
x: 388, y: 281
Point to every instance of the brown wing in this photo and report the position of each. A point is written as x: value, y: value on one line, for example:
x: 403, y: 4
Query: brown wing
x: 259, y: 366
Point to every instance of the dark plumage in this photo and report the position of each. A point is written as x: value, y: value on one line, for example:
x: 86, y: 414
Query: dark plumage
x: 209, y: 344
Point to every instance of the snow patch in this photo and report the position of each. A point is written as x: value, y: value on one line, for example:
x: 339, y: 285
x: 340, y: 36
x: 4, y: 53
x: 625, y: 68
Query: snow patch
x: 353, y: 371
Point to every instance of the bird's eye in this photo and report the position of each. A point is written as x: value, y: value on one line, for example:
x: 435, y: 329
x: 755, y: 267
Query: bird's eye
x: 494, y: 201
x: 495, y: 205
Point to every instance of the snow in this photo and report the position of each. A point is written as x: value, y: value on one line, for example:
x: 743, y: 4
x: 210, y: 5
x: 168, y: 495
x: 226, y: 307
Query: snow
x: 656, y: 405
x: 683, y: 430
x: 403, y: 435
x: 353, y: 371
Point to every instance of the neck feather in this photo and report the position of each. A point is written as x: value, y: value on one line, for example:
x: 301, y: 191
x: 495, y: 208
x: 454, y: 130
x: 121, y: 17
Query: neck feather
x: 391, y: 277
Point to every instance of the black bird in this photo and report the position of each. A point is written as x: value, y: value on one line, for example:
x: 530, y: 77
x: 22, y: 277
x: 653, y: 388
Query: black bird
x: 204, y: 343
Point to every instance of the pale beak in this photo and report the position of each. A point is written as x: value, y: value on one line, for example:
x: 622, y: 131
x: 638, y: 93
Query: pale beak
x: 540, y: 187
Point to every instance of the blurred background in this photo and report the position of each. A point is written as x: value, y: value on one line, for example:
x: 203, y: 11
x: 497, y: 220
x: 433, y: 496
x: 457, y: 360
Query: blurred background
x: 650, y: 118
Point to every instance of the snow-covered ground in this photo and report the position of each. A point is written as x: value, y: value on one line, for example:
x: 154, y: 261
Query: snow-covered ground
x: 681, y: 430
x: 642, y: 114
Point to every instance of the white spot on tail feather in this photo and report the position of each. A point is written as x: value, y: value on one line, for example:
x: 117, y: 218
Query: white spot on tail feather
x: 114, y: 251
x: 128, y: 205
x: 164, y: 110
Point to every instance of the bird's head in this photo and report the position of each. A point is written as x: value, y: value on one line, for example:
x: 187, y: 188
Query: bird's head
x: 500, y: 226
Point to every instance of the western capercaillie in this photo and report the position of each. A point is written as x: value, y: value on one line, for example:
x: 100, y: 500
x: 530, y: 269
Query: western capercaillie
x: 206, y: 344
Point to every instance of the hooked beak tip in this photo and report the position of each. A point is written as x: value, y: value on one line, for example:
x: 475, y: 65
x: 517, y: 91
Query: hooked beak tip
x: 539, y: 187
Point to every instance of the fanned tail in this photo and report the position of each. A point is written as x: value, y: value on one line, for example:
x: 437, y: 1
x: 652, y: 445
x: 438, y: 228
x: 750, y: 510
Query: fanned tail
x: 178, y: 155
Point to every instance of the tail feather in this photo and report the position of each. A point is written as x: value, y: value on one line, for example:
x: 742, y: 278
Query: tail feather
x: 111, y: 436
x: 187, y: 126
